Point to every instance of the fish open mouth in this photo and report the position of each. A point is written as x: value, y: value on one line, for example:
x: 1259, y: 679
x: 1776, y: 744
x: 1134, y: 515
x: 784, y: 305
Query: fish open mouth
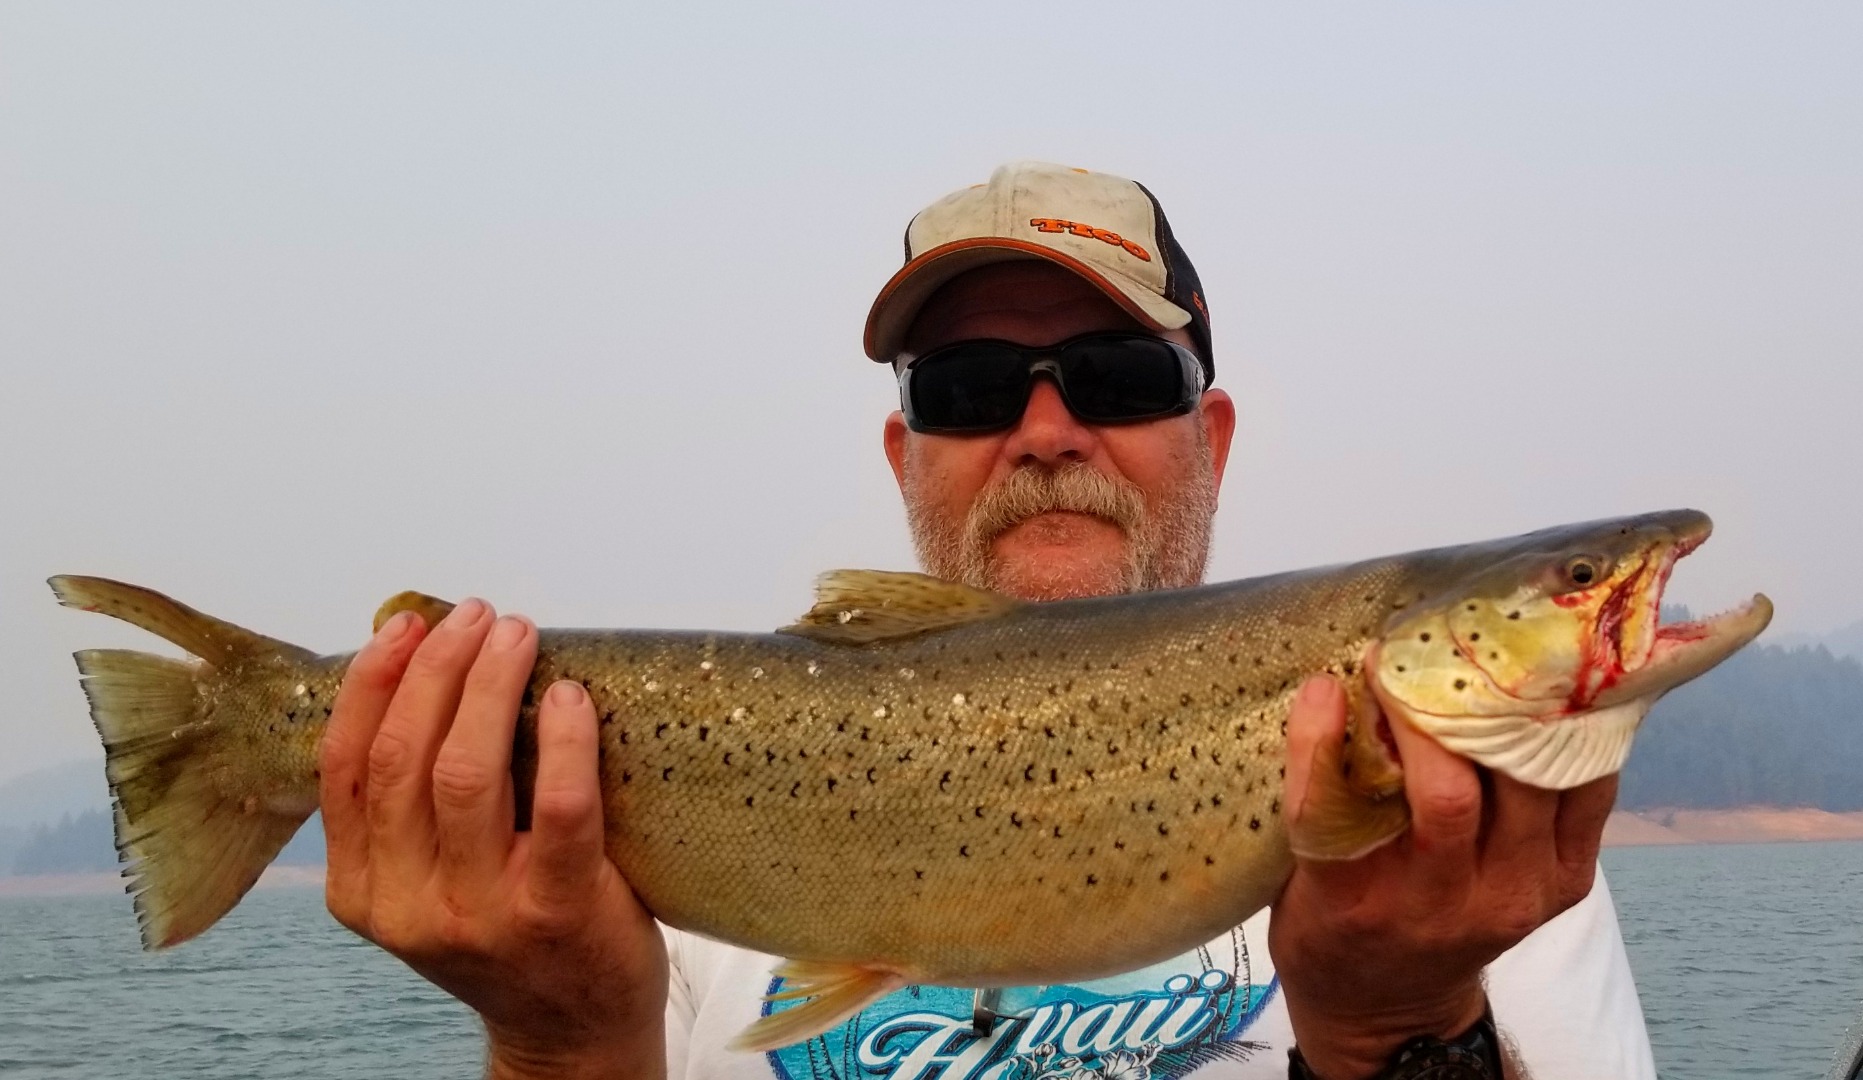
x: 1635, y: 654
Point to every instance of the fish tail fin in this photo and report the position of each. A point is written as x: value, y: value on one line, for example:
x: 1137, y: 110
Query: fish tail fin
x: 195, y: 824
x: 1354, y: 801
x: 835, y: 992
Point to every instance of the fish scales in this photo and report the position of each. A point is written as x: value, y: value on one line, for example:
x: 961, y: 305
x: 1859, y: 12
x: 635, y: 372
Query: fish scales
x: 919, y: 781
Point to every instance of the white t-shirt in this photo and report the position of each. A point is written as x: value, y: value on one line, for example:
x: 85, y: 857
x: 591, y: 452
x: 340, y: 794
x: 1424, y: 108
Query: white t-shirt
x: 1564, y: 996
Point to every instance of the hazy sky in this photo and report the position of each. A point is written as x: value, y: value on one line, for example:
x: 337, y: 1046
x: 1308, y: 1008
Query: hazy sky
x: 301, y: 305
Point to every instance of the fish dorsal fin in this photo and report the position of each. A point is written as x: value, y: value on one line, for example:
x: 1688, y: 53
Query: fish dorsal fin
x: 858, y: 607
x: 431, y: 609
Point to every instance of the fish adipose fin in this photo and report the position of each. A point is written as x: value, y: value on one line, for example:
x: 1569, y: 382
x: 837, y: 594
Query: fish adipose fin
x: 191, y: 849
x: 859, y: 607
x: 835, y: 992
x: 431, y: 609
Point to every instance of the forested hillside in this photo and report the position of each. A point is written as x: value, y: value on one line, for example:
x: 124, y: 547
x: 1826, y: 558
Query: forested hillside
x: 81, y: 843
x: 1771, y: 726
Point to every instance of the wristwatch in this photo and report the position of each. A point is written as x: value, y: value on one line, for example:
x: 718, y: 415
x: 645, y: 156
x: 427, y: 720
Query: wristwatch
x: 1473, y: 1055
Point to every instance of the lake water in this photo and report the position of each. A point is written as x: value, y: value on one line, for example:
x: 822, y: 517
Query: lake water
x: 1749, y: 960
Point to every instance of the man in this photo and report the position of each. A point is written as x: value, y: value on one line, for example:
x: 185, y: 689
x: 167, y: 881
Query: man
x: 1057, y: 438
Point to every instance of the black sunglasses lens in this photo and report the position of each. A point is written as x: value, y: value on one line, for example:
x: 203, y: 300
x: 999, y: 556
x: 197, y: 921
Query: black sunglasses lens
x: 1122, y: 379
x: 969, y: 388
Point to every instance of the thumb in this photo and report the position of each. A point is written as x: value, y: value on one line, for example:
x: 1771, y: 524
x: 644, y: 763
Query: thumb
x: 1316, y: 726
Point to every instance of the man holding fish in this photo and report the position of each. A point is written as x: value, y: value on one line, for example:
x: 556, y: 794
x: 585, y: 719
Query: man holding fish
x: 1058, y: 439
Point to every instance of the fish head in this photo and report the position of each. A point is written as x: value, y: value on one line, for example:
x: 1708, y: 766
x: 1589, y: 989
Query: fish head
x: 1539, y: 656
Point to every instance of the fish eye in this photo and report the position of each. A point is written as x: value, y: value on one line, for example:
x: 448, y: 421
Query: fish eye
x: 1584, y: 570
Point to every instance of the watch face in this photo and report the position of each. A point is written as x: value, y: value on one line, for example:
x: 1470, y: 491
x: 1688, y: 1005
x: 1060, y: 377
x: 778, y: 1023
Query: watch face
x: 1473, y: 1055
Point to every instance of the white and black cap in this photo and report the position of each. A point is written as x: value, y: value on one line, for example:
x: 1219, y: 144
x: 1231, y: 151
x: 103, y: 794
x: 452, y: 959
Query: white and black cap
x: 1105, y: 228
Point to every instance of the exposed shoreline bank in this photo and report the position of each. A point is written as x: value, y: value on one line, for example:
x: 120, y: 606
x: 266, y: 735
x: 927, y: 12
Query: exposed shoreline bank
x: 1745, y: 825
x: 1626, y: 828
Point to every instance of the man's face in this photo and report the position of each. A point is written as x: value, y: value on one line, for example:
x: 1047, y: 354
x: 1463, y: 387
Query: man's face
x: 1053, y: 507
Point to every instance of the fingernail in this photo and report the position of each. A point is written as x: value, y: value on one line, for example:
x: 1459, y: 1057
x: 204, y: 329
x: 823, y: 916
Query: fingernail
x: 507, y: 632
x: 468, y: 612
x: 395, y: 628
x: 566, y: 693
x: 1316, y: 691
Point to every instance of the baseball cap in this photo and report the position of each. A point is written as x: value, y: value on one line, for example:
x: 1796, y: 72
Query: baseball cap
x: 1105, y: 228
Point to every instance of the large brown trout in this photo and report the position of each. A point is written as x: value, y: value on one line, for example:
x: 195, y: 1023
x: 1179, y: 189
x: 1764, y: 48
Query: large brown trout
x: 918, y: 781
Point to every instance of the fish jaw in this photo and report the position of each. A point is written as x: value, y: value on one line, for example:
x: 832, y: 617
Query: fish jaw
x: 1546, y: 681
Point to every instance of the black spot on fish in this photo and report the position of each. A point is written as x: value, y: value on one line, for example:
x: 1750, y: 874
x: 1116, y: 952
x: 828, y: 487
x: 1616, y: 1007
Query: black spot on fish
x: 1028, y: 773
x: 769, y: 756
x: 905, y: 757
x: 945, y: 780
x: 852, y: 814
x: 1057, y: 832
x: 918, y: 875
x: 832, y: 784
x: 1400, y: 668
x: 1514, y: 615
x: 1471, y: 607
x: 1461, y: 684
x: 1254, y: 823
x: 1424, y: 636
x: 870, y: 778
x: 1209, y: 860
x: 705, y: 733
x: 1015, y: 819
x: 727, y: 757
x: 964, y: 851
x: 1048, y: 731
x: 1163, y: 829
x: 626, y: 777
x: 1173, y: 772
x: 1112, y: 748
x: 1091, y: 880
x: 1474, y: 635
x: 666, y: 773
x: 1054, y: 776
x: 1216, y: 800
x: 1184, y: 700
x: 977, y: 811
x: 659, y: 730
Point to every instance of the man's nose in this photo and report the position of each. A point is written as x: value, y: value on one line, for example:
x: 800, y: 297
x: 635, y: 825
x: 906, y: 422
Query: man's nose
x: 1048, y: 434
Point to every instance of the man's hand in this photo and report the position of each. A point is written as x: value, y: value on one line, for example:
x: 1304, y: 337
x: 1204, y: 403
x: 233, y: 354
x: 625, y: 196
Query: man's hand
x: 1378, y: 950
x: 536, y: 931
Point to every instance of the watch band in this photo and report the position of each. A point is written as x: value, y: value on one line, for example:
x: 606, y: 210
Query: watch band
x: 1473, y: 1055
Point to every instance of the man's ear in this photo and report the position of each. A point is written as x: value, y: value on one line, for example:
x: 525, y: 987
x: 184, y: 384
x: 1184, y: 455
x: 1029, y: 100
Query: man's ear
x: 1218, y: 415
x: 896, y: 434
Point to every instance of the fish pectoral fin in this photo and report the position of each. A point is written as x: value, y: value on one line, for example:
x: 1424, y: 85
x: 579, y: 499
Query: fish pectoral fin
x: 1338, y: 819
x: 835, y: 992
x: 859, y: 607
x: 431, y: 609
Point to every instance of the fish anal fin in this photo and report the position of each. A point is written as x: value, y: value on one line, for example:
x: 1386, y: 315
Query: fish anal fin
x: 835, y: 992
x: 1338, y: 819
x: 859, y: 607
x: 431, y: 609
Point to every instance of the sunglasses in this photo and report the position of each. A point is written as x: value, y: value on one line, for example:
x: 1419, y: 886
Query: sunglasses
x: 978, y: 386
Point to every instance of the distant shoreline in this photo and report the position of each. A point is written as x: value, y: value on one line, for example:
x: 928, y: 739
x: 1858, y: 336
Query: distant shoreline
x: 1626, y: 828
x: 1746, y: 825
x: 109, y: 881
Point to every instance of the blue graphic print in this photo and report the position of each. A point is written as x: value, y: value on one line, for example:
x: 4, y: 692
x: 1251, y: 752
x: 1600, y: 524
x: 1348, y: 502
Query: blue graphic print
x: 1160, y: 1023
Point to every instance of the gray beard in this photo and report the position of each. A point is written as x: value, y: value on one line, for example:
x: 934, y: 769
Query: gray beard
x: 1167, y: 546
